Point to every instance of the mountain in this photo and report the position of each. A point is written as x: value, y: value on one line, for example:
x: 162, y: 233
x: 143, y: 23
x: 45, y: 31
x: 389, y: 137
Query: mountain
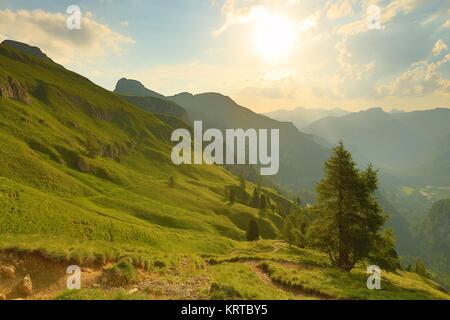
x: 79, y: 164
x: 301, y: 157
x: 135, y: 88
x: 86, y: 179
x: 158, y: 106
x: 435, y: 240
x: 302, y: 117
x: 402, y: 143
x: 27, y: 49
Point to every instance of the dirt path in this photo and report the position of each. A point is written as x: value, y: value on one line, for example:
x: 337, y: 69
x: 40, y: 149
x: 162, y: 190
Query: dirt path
x: 296, y: 294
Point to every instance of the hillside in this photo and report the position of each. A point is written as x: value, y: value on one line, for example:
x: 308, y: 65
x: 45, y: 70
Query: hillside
x: 412, y: 150
x: 302, y: 117
x: 86, y: 179
x: 435, y: 240
x: 158, y: 106
x: 407, y: 144
x: 301, y: 157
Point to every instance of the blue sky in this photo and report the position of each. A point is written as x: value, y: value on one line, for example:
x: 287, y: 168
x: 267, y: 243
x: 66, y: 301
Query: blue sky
x: 266, y: 54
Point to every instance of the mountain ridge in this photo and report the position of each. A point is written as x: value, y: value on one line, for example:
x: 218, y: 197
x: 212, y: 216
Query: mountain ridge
x: 302, y: 156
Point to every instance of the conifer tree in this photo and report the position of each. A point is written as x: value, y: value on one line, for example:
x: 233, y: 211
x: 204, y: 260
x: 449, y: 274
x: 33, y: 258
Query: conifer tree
x: 254, y: 203
x: 349, y: 220
x: 253, y: 231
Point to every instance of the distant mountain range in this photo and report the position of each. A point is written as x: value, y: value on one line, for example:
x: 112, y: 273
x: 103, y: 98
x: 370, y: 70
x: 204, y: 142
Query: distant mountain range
x: 301, y: 117
x: 412, y: 145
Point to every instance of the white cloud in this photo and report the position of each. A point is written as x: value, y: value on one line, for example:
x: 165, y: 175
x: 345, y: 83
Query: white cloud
x: 48, y: 31
x: 421, y: 79
x: 439, y: 47
x: 339, y: 9
x: 238, y: 12
x: 388, y: 13
x: 237, y: 15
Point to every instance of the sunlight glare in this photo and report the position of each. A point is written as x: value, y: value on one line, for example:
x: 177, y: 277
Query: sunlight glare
x: 274, y: 37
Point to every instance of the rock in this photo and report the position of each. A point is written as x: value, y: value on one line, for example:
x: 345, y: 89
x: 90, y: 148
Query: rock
x: 2, y: 297
x: 25, y: 287
x: 8, y: 272
x: 10, y: 88
x: 133, y: 291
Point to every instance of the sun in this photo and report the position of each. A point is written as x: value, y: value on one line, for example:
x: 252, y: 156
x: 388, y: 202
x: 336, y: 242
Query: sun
x: 274, y: 37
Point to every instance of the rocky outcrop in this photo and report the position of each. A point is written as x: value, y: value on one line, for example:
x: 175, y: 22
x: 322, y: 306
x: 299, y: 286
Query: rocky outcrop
x: 7, y: 272
x: 25, y: 287
x: 10, y: 88
x: 129, y: 87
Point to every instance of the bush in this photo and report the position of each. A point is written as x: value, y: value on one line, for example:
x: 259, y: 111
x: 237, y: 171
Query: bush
x: 220, y: 291
x: 121, y: 274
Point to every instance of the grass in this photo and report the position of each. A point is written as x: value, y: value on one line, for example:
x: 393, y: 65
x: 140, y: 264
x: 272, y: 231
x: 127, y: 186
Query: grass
x: 330, y: 283
x: 99, y: 295
x: 239, y: 281
x: 84, y: 180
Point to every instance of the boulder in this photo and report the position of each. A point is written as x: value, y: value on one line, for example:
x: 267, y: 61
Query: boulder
x: 7, y: 271
x: 25, y: 287
x: 10, y: 88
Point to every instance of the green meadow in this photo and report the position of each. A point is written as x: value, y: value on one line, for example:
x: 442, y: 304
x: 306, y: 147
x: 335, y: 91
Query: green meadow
x: 84, y: 179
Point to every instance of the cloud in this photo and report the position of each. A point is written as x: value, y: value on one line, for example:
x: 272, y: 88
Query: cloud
x: 349, y: 70
x: 48, y: 31
x: 239, y: 12
x: 237, y: 15
x: 421, y: 79
x: 388, y: 13
x: 439, y: 47
x: 271, y: 85
x: 339, y: 9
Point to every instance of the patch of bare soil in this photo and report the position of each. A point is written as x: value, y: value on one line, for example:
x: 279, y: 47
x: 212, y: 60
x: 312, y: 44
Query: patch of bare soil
x: 48, y: 277
x: 176, y: 288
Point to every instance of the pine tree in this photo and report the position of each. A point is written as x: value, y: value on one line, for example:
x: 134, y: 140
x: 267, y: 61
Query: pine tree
x: 253, y: 231
x: 171, y: 182
x: 349, y: 220
x: 420, y: 268
x: 262, y: 202
x: 242, y: 183
x: 289, y: 230
x: 254, y: 203
x: 231, y: 196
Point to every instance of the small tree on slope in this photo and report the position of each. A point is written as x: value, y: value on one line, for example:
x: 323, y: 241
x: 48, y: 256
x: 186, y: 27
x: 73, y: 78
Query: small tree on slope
x: 349, y: 219
x: 252, y: 231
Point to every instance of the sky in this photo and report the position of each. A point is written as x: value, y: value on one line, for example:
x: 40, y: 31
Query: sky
x: 265, y: 54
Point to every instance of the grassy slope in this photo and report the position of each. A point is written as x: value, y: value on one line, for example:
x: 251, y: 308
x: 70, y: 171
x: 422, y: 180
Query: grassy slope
x: 45, y: 192
x: 69, y: 206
